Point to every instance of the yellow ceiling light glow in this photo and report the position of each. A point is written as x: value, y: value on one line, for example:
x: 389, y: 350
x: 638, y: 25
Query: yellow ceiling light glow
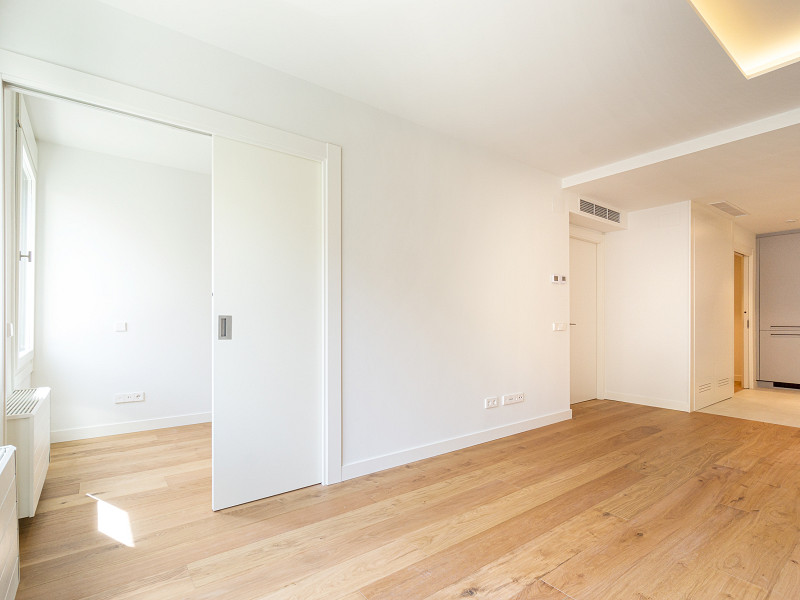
x: 759, y: 35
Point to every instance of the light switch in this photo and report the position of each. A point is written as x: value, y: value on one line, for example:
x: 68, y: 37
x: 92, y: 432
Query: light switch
x: 559, y: 326
x: 121, y: 326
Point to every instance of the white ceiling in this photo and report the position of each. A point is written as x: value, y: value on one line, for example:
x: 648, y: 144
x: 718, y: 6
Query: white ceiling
x: 79, y: 126
x: 758, y: 174
x: 568, y: 86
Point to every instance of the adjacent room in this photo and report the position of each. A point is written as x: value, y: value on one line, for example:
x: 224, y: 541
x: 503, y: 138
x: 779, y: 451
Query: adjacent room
x: 122, y: 269
x: 368, y: 300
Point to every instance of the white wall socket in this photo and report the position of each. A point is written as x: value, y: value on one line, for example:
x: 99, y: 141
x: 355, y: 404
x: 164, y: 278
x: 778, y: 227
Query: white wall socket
x: 130, y: 397
x: 491, y: 402
x: 513, y: 398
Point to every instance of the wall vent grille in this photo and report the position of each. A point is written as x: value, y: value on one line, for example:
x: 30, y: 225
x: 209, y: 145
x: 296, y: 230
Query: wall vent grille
x: 724, y: 382
x: 608, y: 214
x: 705, y: 387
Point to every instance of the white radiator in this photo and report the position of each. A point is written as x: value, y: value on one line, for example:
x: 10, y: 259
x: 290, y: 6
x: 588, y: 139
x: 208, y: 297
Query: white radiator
x: 9, y: 534
x: 28, y: 428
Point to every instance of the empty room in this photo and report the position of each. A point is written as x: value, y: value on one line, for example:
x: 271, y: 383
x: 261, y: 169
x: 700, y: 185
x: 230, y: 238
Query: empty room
x: 367, y: 299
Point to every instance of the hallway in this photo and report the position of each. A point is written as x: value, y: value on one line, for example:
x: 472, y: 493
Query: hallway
x: 769, y: 405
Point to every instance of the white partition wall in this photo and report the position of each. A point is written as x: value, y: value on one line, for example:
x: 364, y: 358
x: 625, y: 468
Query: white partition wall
x: 712, y: 306
x: 268, y: 356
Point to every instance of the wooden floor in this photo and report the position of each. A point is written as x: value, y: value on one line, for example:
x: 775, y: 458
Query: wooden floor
x: 621, y: 502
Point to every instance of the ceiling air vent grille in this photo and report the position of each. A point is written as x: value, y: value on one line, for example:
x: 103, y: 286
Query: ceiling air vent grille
x: 599, y: 211
x: 729, y: 208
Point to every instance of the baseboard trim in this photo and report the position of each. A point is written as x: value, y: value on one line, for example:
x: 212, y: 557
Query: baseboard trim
x: 84, y: 433
x: 648, y: 401
x: 396, y: 459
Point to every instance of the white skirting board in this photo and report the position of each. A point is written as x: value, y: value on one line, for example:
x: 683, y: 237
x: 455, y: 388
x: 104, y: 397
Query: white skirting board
x: 387, y: 461
x: 647, y: 401
x: 83, y: 433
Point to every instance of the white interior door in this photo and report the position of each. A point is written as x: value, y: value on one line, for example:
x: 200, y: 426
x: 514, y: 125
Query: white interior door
x: 268, y: 276
x: 583, y: 320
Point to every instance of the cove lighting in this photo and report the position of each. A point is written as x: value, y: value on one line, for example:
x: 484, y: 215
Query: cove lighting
x: 759, y: 35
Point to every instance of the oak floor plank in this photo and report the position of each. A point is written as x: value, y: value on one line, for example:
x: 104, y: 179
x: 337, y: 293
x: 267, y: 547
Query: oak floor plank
x: 308, y: 549
x: 539, y: 590
x: 788, y: 581
x: 759, y: 547
x: 167, y: 586
x: 666, y: 477
x: 425, y: 577
x: 403, y: 551
x: 678, y: 563
x: 591, y: 574
x: 511, y: 573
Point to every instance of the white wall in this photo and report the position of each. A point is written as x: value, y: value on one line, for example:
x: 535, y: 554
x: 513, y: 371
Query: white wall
x: 447, y: 249
x: 648, y: 308
x: 744, y: 241
x: 122, y: 240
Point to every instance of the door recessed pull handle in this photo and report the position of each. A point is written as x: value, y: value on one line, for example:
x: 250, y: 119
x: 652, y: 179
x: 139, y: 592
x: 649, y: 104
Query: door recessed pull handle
x: 225, y: 329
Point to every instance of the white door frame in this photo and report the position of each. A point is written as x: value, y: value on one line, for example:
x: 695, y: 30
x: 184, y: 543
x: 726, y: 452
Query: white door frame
x: 35, y: 76
x: 748, y: 269
x: 597, y: 238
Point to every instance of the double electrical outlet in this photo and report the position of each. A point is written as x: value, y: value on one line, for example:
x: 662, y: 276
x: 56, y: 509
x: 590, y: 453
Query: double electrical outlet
x: 129, y: 397
x: 494, y: 401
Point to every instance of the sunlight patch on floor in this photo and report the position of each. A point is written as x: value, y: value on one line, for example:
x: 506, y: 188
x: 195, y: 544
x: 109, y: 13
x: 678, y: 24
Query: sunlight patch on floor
x: 113, y: 522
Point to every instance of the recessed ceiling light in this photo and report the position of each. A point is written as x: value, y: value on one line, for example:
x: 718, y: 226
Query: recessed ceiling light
x: 758, y: 35
x: 791, y: 220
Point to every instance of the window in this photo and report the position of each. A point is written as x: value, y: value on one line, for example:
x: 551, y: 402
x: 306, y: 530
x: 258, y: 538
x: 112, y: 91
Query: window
x: 26, y: 212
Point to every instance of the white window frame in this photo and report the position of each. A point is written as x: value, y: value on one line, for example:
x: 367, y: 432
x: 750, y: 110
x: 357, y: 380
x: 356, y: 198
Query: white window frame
x: 25, y: 306
x: 26, y: 163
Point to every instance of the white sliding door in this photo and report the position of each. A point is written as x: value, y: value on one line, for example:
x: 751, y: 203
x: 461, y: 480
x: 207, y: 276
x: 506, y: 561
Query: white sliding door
x: 268, y: 276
